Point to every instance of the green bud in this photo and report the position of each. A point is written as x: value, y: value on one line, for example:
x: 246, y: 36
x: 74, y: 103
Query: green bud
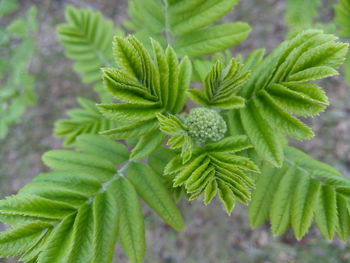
x: 203, y: 124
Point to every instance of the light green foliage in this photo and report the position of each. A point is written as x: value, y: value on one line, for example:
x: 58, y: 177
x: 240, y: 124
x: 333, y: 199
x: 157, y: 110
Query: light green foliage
x: 8, y: 6
x: 84, y: 120
x: 301, y: 14
x: 189, y: 26
x: 17, y: 47
x: 149, y: 186
x: 77, y: 212
x: 279, y: 89
x: 216, y: 168
x: 342, y: 11
x: 233, y: 146
x: 87, y: 39
x: 342, y: 19
x: 302, y: 191
x: 171, y: 125
x: 221, y: 86
x: 145, y: 86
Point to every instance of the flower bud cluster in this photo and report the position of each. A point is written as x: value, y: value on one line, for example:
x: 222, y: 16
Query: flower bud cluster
x: 203, y: 124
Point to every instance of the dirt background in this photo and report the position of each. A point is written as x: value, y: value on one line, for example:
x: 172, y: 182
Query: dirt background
x: 210, y: 236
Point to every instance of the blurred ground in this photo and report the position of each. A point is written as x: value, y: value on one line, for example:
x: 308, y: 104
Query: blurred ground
x: 210, y: 236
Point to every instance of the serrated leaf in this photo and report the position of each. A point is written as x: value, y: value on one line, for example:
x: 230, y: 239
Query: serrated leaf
x: 15, y: 241
x: 85, y: 120
x: 105, y: 216
x: 64, y: 160
x: 34, y: 206
x: 280, y: 208
x: 87, y: 38
x: 80, y: 250
x: 229, y: 144
x: 326, y: 212
x: 221, y: 86
x: 173, y: 81
x: 185, y: 73
x: 147, y: 144
x: 263, y: 138
x: 343, y: 229
x: 112, y: 151
x: 55, y: 249
x: 259, y: 207
x: 285, y: 122
x: 303, y: 204
x: 149, y: 186
x: 126, y: 88
x: 227, y: 197
x: 130, y: 224
x: 199, y: 14
x: 295, y: 101
x: 212, y: 39
x: 129, y: 112
x: 186, y: 173
x: 135, y: 129
x: 210, y: 191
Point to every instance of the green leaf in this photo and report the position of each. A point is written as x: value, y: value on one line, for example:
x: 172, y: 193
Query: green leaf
x: 77, y: 182
x: 159, y: 159
x: 130, y: 224
x: 34, y: 206
x: 105, y: 215
x: 199, y: 14
x: 326, y: 214
x: 264, y: 139
x: 147, y: 144
x: 17, y: 28
x: 280, y: 208
x: 85, y: 120
x: 229, y: 144
x: 106, y: 148
x: 254, y: 59
x: 87, y: 39
x: 185, y: 73
x: 221, y: 86
x: 129, y: 112
x: 189, y: 169
x: 133, y: 59
x: 342, y: 12
x: 81, y: 249
x: 132, y: 130
x: 343, y: 229
x: 180, y: 138
x: 8, y: 6
x: 313, y: 73
x: 55, y: 248
x: 301, y: 14
x: 279, y: 88
x: 149, y: 186
x: 262, y: 197
x: 15, y: 241
x: 173, y: 81
x: 64, y: 160
x: 33, y: 253
x: 286, y: 123
x: 126, y: 88
x: 227, y: 197
x: 303, y: 204
x: 301, y: 191
x: 211, y: 40
x: 210, y: 191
